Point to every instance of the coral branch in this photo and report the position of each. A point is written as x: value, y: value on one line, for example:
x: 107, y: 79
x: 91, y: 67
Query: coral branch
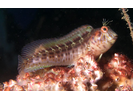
x: 127, y: 19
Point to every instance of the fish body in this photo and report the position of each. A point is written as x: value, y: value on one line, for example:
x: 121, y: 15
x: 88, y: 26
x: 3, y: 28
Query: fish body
x: 67, y: 49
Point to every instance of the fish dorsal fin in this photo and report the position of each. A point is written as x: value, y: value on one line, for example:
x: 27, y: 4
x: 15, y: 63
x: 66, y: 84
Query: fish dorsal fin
x: 29, y: 49
x: 35, y: 46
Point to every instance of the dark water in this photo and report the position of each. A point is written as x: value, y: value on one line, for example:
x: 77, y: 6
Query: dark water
x: 21, y: 26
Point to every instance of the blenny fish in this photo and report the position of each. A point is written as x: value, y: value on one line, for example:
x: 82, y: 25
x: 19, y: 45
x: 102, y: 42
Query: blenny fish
x: 66, y: 50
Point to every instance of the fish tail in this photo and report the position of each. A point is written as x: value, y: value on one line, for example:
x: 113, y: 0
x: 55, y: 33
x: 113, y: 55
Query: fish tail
x: 20, y: 64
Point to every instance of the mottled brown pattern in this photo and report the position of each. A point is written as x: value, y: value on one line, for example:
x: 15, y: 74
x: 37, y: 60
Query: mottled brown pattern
x: 66, y: 50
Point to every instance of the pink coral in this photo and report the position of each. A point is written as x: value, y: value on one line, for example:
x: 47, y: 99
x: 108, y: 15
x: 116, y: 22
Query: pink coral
x: 83, y: 76
x: 119, y: 72
x: 116, y: 74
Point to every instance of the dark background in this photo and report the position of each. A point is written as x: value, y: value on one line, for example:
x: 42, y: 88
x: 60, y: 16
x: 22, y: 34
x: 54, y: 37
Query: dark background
x: 21, y: 26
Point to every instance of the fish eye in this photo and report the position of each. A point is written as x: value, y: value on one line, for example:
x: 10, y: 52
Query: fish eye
x: 104, y: 29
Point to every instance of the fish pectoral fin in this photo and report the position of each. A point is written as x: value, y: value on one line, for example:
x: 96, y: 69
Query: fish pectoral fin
x: 35, y: 68
x: 70, y: 66
x: 99, y: 57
